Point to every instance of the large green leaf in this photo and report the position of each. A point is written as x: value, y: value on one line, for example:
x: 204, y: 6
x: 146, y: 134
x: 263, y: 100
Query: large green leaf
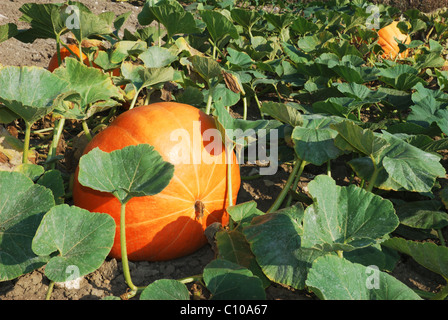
x: 314, y: 139
x: 334, y: 278
x: 429, y: 255
x: 141, y: 77
x: 30, y: 92
x: 400, y: 165
x: 93, y: 91
x: 283, y: 112
x: 401, y: 77
x: 46, y: 21
x: 352, y: 137
x: 81, y: 238
x: 23, y: 205
x: 133, y: 171
x: 85, y: 24
x: 233, y: 246
x: 275, y: 240
x: 423, y: 214
x: 218, y: 26
x: 345, y: 218
x: 157, y: 57
x: 429, y: 107
x: 171, y: 14
x: 245, y: 18
x: 229, y: 281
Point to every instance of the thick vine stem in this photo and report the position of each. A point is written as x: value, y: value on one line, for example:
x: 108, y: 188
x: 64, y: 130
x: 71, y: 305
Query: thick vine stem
x: 229, y: 151
x: 49, y: 290
x: 124, y: 254
x: 374, y: 176
x: 299, y: 165
x: 209, y: 101
x: 26, y: 145
x: 56, y: 137
x: 86, y: 130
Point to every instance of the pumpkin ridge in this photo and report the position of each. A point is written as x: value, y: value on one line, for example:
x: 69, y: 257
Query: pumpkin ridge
x: 158, y: 218
x: 213, y: 190
x: 177, y: 235
x: 181, y: 125
x: 183, y: 185
x: 206, y: 191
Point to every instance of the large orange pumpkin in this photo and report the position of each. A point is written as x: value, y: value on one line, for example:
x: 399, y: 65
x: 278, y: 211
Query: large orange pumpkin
x: 386, y: 39
x: 170, y: 224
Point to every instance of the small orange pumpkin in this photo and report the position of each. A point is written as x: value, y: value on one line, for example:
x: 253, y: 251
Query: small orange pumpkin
x: 386, y: 39
x: 170, y: 224
x: 64, y: 52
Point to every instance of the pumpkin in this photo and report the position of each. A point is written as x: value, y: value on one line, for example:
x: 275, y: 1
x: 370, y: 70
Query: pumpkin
x: 170, y: 224
x: 386, y: 39
x: 64, y: 52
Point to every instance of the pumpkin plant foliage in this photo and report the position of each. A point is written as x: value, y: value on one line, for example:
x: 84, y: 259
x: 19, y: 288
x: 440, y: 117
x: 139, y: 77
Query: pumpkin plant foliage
x: 328, y: 88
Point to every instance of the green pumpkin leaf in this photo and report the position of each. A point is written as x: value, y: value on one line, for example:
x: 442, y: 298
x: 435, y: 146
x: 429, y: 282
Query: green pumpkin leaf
x: 334, y: 278
x: 424, y: 214
x: 30, y: 92
x: 283, y: 113
x: 133, y: 171
x: 244, y: 212
x: 218, y: 26
x: 429, y: 255
x: 157, y: 57
x: 352, y: 137
x: 314, y: 139
x: 141, y: 77
x: 345, y: 218
x: 81, y: 238
x: 275, y: 240
x: 23, y: 205
x: 92, y: 90
x: 46, y: 21
x: 165, y: 289
x: 233, y: 246
x: 229, y: 281
x: 171, y: 14
x: 7, y: 31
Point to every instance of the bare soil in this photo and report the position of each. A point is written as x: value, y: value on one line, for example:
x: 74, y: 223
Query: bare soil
x: 108, y: 280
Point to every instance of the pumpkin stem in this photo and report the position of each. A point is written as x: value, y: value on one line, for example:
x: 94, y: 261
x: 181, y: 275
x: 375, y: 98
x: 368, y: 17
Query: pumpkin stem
x: 199, y: 209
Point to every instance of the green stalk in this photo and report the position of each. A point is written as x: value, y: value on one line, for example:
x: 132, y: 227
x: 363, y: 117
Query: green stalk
x: 374, y: 176
x: 56, y: 137
x: 441, y: 237
x: 26, y: 144
x: 245, y: 107
x: 229, y: 151
x: 58, y: 49
x: 134, y: 100
x: 86, y: 130
x: 209, y: 100
x: 124, y: 253
x: 297, y: 170
x: 49, y: 290
x: 293, y: 189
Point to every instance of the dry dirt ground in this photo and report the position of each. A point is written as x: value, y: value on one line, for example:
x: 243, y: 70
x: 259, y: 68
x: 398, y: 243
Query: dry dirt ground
x: 108, y: 279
